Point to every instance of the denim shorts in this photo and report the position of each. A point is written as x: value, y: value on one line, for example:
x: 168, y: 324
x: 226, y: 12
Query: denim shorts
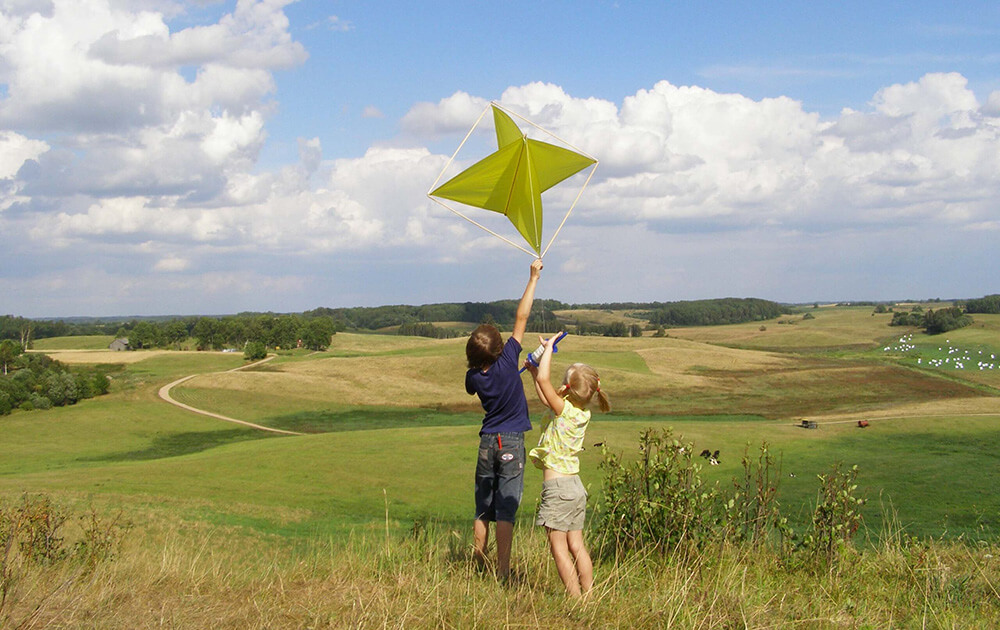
x: 499, y: 476
x: 564, y: 504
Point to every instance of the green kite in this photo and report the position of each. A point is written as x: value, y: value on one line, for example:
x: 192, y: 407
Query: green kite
x: 512, y: 179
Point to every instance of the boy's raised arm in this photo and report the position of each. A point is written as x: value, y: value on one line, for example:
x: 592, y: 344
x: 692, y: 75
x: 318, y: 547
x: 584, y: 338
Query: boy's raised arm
x: 524, y: 306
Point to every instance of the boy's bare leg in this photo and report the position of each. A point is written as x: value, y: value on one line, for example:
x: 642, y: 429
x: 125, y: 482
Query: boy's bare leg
x: 564, y: 561
x: 505, y: 536
x: 481, y: 536
x: 584, y: 565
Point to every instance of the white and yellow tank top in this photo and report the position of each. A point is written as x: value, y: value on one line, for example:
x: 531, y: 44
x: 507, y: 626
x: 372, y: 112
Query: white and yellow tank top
x: 561, y: 440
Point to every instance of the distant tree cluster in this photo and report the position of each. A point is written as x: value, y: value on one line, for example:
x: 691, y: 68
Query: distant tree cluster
x: 988, y: 304
x: 933, y: 322
x: 945, y: 319
x: 427, y: 329
x: 236, y: 331
x: 714, y: 312
x: 614, y: 329
x: 36, y: 381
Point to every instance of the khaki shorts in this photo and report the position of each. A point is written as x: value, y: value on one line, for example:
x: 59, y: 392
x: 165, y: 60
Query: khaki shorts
x: 564, y: 504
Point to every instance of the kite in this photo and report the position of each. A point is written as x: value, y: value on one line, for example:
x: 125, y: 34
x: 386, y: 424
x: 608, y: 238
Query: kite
x: 512, y: 179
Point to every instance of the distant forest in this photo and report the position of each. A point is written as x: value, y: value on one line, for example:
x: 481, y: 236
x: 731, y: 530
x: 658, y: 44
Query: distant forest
x: 310, y: 328
x: 430, y: 320
x: 988, y: 304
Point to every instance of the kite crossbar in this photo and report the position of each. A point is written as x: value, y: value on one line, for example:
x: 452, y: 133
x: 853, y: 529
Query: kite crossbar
x: 453, y: 155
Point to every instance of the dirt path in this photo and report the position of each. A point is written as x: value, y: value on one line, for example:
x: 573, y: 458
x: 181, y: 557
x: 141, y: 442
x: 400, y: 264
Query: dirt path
x: 165, y: 395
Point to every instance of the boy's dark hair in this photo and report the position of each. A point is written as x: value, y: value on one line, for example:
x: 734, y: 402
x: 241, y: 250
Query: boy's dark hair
x: 484, y: 346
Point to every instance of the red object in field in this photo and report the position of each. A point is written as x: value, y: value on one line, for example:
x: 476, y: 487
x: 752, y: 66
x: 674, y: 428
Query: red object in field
x: 862, y: 424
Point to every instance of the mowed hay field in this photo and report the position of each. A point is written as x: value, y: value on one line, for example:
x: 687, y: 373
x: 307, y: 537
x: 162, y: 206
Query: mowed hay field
x: 241, y: 528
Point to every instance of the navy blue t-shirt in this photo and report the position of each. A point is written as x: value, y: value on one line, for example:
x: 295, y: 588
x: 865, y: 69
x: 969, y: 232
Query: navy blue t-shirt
x: 501, y: 392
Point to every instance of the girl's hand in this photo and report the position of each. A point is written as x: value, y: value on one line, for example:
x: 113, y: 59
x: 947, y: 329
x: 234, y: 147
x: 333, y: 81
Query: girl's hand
x: 550, y: 342
x: 532, y: 369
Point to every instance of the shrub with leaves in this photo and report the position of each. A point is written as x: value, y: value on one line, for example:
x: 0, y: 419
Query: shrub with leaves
x: 656, y: 501
x: 752, y: 513
x: 837, y: 516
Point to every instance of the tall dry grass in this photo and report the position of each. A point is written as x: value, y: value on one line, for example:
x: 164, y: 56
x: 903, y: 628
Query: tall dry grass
x: 173, y: 574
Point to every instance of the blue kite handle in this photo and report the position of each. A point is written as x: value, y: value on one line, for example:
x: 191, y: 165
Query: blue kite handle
x: 536, y: 356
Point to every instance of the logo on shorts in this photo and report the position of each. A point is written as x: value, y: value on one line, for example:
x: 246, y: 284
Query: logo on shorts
x: 506, y: 457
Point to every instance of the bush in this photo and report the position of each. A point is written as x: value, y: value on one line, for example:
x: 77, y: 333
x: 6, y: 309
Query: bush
x: 900, y: 318
x: 617, y: 329
x: 659, y: 502
x: 254, y: 351
x: 837, y: 516
x: 37, y: 401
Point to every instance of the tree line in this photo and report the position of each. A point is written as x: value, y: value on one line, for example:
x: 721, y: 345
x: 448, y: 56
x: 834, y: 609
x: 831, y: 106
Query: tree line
x: 211, y: 333
x: 714, y: 312
x: 315, y: 327
x: 311, y: 327
x: 987, y: 304
x: 933, y: 322
x: 36, y: 381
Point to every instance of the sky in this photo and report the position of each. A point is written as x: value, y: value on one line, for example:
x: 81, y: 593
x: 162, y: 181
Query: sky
x: 172, y: 157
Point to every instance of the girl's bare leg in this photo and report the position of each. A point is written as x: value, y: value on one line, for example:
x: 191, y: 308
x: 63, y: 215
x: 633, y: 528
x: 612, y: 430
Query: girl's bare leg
x: 584, y: 566
x: 559, y: 546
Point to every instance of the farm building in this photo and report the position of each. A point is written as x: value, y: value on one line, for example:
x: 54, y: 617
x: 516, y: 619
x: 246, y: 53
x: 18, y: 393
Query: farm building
x: 119, y: 344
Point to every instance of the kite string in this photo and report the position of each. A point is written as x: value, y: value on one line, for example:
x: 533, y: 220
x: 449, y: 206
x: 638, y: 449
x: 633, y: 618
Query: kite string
x: 566, y: 216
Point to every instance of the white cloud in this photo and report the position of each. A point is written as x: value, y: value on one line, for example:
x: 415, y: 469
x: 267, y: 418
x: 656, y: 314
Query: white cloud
x: 110, y: 82
x: 335, y: 23
x: 456, y: 113
x: 172, y: 264
x: 15, y: 150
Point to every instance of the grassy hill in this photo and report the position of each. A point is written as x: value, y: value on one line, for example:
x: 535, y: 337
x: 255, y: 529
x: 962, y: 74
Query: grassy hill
x: 388, y: 455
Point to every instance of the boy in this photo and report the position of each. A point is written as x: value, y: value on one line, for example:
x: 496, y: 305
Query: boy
x: 493, y: 375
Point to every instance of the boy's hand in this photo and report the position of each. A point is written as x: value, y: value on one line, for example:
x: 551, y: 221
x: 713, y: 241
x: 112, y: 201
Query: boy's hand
x: 536, y: 268
x: 531, y: 367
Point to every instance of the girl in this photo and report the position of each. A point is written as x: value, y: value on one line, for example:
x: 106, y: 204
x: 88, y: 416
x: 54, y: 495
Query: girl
x: 564, y: 499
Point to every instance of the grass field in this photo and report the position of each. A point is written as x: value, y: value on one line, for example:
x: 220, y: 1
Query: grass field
x: 83, y: 342
x: 389, y: 449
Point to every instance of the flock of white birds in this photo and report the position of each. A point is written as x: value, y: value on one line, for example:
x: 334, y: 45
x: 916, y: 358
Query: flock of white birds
x: 956, y: 358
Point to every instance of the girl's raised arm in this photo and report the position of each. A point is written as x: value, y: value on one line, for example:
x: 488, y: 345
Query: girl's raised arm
x: 543, y: 382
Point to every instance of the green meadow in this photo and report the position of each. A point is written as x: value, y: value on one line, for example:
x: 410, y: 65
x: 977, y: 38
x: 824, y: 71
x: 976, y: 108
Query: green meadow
x: 376, y: 490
